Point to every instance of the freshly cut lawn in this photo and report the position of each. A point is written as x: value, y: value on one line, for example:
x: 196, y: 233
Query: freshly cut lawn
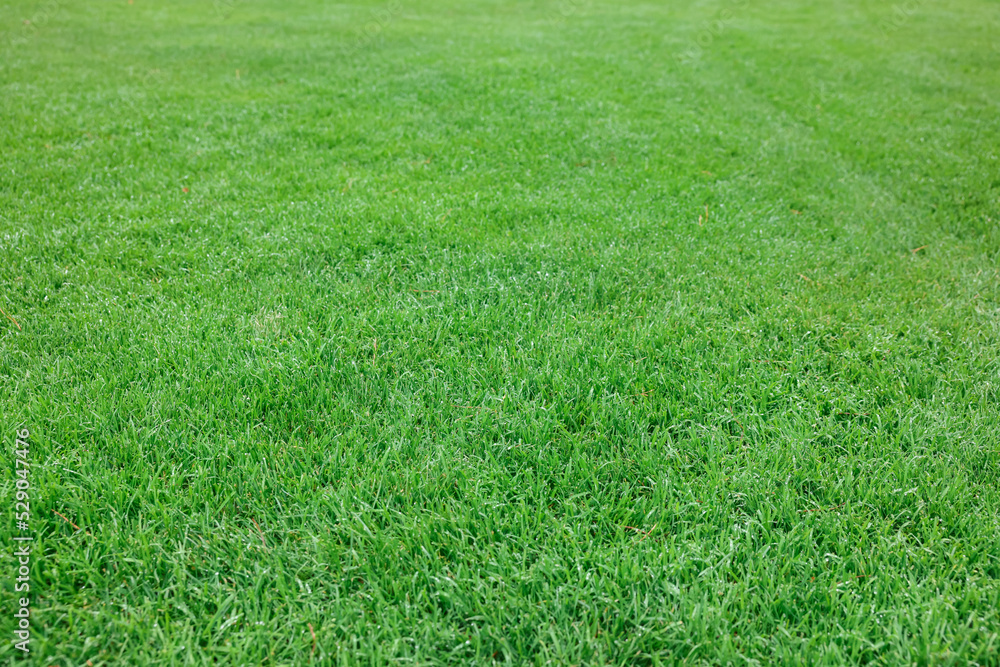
x: 526, y: 332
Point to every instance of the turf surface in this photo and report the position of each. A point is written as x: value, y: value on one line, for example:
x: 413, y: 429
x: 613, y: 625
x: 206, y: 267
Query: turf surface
x: 573, y: 332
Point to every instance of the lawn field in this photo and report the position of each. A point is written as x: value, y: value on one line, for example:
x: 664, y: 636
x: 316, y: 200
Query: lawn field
x: 569, y: 332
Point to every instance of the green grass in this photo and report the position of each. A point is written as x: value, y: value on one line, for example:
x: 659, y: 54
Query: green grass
x: 519, y: 332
